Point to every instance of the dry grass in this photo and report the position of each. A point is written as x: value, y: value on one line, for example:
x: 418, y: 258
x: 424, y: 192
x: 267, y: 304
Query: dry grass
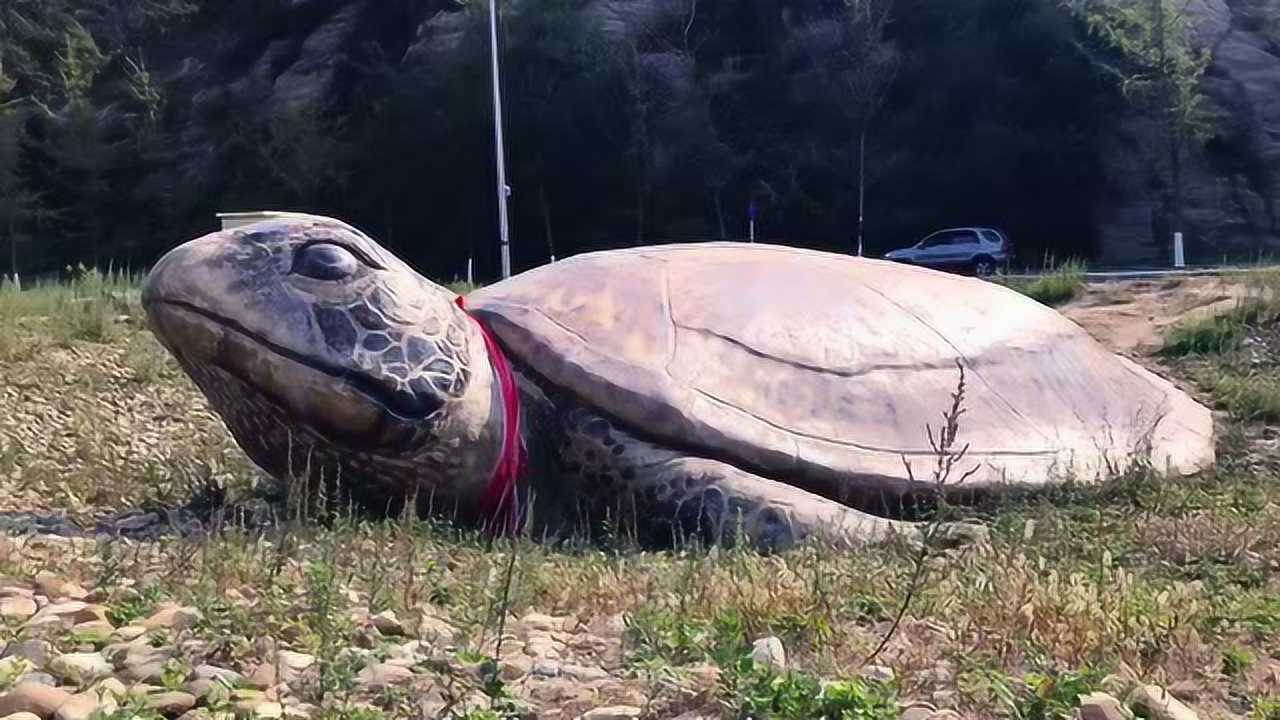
x: 1136, y: 580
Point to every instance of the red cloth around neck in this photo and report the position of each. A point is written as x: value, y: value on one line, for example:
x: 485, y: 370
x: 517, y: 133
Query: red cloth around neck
x: 500, y: 500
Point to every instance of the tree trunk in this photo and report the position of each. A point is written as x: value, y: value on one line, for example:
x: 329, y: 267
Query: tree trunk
x: 715, y: 197
x: 546, y: 220
x: 862, y: 174
x: 1175, y: 178
x: 640, y: 215
x: 13, y: 250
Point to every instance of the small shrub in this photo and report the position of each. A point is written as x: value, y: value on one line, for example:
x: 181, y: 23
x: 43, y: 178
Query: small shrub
x: 763, y: 694
x: 1056, y: 288
x: 656, y: 635
x: 1043, y: 695
x: 136, y: 604
x: 1212, y: 335
x: 1251, y: 396
x: 1235, y: 660
x: 1266, y: 709
x: 145, y: 359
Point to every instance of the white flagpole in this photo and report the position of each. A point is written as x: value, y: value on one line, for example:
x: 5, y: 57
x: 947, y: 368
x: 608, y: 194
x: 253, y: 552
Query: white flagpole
x: 503, y: 230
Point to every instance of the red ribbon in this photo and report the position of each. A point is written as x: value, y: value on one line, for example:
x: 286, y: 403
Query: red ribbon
x: 500, y: 500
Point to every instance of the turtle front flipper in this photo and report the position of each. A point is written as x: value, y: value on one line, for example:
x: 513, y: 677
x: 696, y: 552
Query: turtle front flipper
x: 665, y: 496
x: 696, y: 497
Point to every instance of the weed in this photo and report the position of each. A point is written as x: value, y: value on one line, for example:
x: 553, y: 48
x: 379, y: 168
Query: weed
x: 1059, y: 286
x: 946, y: 458
x: 1250, y: 396
x: 658, y: 635
x: 1236, y: 660
x: 134, y: 604
x: 1044, y: 695
x: 752, y: 691
x: 1266, y: 709
x: 133, y: 708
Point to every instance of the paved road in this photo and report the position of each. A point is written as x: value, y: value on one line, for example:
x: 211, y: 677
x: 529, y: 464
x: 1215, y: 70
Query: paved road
x: 1113, y: 274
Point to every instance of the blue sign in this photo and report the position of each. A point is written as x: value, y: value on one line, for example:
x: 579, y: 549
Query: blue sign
x: 751, y: 209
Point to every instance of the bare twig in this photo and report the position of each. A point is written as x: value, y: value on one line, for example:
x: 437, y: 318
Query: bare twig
x: 946, y: 460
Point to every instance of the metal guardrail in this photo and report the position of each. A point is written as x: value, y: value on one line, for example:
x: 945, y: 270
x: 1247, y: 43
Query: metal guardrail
x: 1104, y: 275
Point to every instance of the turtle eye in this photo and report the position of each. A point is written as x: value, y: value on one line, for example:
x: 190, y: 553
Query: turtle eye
x: 325, y: 261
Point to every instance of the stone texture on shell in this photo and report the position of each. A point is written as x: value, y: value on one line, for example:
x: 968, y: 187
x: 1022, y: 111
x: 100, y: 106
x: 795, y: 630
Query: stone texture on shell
x: 823, y: 370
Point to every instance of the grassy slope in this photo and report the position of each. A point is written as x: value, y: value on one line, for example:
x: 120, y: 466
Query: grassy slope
x: 1136, y: 580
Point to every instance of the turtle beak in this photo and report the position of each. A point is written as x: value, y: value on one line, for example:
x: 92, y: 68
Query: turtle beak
x: 217, y: 301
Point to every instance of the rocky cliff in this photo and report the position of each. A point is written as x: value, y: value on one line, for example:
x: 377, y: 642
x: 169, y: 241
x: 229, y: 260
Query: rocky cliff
x: 1230, y: 189
x: 992, y: 119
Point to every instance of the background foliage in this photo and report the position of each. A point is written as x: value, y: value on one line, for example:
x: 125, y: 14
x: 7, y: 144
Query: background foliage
x: 126, y: 126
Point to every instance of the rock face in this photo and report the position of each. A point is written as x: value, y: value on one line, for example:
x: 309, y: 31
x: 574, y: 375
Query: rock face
x: 306, y: 55
x: 1229, y: 186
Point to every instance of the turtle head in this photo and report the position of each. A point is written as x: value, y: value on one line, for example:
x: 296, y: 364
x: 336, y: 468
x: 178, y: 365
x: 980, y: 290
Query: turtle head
x: 307, y: 336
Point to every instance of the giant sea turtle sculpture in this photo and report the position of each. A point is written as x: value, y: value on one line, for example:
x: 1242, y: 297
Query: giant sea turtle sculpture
x: 710, y: 387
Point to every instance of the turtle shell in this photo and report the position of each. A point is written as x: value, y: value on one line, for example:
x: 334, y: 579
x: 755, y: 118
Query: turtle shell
x: 829, y: 372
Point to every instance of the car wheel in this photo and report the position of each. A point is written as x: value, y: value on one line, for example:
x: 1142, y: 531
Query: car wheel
x: 984, y: 267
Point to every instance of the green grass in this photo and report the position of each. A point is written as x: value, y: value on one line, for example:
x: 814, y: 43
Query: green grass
x: 1224, y: 333
x: 1118, y: 575
x: 1061, y: 285
x: 1216, y: 351
x: 1249, y: 395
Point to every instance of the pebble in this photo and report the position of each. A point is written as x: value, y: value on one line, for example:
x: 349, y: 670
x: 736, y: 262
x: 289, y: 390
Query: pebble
x: 384, y: 675
x: 1101, y: 706
x: 515, y: 668
x: 172, y: 617
x: 143, y: 663
x: 81, y: 668
x: 770, y: 653
x: 917, y: 712
x: 17, y: 607
x: 545, y: 668
x: 230, y: 678
x: 84, y: 706
x: 35, y: 650
x: 295, y: 660
x: 878, y: 673
x: 171, y: 703
x: 387, y: 623
x: 94, y: 631
x: 39, y: 678
x: 71, y: 612
x: 539, y: 621
x: 57, y: 588
x: 110, y: 688
x: 583, y: 673
x: 21, y: 716
x: 15, y: 666
x: 262, y: 676
x: 613, y: 712
x: 40, y: 700
x: 1159, y: 704
x: 128, y: 633
x: 435, y: 630
x: 291, y: 665
x: 258, y: 708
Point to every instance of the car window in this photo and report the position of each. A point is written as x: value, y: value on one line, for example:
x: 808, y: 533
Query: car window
x: 990, y: 236
x: 936, y: 239
x: 963, y: 237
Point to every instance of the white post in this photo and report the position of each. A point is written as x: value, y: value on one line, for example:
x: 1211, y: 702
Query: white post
x: 470, y: 276
x: 503, y: 190
x: 751, y: 232
x: 1179, y: 261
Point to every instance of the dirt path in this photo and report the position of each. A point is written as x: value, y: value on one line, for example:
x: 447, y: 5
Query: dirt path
x: 1130, y: 317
